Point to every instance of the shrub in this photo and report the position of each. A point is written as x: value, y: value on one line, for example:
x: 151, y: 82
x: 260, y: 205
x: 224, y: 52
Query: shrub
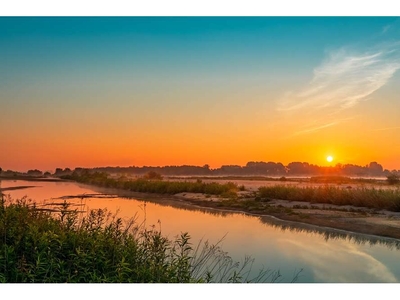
x: 393, y: 179
x: 152, y: 175
x: 38, y: 246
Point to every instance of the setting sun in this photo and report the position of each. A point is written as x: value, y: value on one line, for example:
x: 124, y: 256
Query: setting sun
x: 329, y: 158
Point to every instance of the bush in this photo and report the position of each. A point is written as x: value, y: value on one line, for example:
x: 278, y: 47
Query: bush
x: 38, y: 247
x: 152, y: 175
x: 393, y: 179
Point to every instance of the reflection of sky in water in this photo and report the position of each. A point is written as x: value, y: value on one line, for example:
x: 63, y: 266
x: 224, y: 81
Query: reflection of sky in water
x: 336, y: 259
x: 339, y: 261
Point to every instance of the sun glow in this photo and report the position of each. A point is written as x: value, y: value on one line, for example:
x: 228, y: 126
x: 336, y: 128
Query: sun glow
x: 329, y: 158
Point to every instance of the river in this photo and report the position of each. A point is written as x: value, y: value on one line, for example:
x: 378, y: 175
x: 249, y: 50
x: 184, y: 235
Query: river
x: 324, y: 255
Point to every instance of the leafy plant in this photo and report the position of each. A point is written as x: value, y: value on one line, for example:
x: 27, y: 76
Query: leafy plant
x: 63, y: 245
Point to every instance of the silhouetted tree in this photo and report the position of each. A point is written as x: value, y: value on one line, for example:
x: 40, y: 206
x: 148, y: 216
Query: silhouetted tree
x: 61, y: 172
x: 35, y: 172
x: 375, y: 169
x: 251, y: 168
x: 58, y: 171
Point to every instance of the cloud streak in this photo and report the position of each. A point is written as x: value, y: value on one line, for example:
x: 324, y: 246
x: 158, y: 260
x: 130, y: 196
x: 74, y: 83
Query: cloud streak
x: 387, y: 128
x: 345, y: 78
x: 386, y: 28
x: 320, y: 126
x: 313, y: 129
x: 329, y: 261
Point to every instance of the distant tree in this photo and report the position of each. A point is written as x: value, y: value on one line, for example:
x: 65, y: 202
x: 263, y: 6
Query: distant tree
x: 300, y: 168
x: 34, y: 173
x: 375, y: 169
x: 393, y: 178
x: 58, y: 171
x: 61, y: 172
x: 153, y: 175
x: 230, y: 169
x: 1, y: 170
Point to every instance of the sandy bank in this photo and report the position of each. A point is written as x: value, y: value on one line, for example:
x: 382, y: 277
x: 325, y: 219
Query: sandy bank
x: 354, y: 219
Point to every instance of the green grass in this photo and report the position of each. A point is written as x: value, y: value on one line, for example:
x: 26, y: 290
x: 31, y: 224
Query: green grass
x: 363, y: 197
x: 156, y: 186
x: 38, y: 247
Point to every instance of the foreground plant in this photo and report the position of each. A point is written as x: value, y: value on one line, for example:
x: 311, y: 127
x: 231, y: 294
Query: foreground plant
x: 39, y: 246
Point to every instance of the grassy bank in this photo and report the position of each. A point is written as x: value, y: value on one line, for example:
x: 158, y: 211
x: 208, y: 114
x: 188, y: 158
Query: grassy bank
x: 362, y: 197
x: 39, y: 246
x: 144, y: 185
x: 375, y: 198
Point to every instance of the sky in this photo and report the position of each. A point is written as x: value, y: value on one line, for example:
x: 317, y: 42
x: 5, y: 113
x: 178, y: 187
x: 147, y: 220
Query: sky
x: 123, y: 91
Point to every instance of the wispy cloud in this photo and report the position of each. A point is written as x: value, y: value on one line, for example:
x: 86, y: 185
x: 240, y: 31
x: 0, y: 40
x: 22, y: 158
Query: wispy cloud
x: 329, y: 261
x: 392, y: 26
x: 313, y: 129
x: 320, y: 125
x: 387, y: 128
x: 345, y: 78
x: 386, y: 28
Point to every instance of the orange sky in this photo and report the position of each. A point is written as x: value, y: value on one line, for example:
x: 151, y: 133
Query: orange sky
x: 172, y: 92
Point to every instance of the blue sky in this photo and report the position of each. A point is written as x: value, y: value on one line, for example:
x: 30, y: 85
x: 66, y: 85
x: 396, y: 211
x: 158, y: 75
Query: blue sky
x: 199, y: 71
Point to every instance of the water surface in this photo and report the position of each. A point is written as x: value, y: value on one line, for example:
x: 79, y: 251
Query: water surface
x: 324, y: 255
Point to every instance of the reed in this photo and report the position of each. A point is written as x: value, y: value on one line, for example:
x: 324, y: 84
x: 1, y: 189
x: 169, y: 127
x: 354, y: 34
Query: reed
x: 146, y: 185
x: 39, y: 246
x: 362, y: 197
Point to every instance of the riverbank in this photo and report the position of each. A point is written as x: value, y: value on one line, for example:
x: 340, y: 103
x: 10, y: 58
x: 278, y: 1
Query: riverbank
x: 355, y: 219
x: 278, y: 245
x: 31, y: 178
x: 360, y: 220
x: 349, y: 218
x: 363, y: 220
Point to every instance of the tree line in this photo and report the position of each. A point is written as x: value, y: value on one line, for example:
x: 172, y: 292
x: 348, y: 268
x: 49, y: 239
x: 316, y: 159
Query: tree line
x: 252, y: 168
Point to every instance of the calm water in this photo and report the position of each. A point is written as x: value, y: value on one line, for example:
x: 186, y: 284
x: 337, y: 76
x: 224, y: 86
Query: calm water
x: 324, y: 256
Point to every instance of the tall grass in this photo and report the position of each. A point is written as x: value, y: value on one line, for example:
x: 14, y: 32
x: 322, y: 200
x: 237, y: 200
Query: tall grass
x: 363, y: 197
x: 38, y: 246
x: 156, y: 186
